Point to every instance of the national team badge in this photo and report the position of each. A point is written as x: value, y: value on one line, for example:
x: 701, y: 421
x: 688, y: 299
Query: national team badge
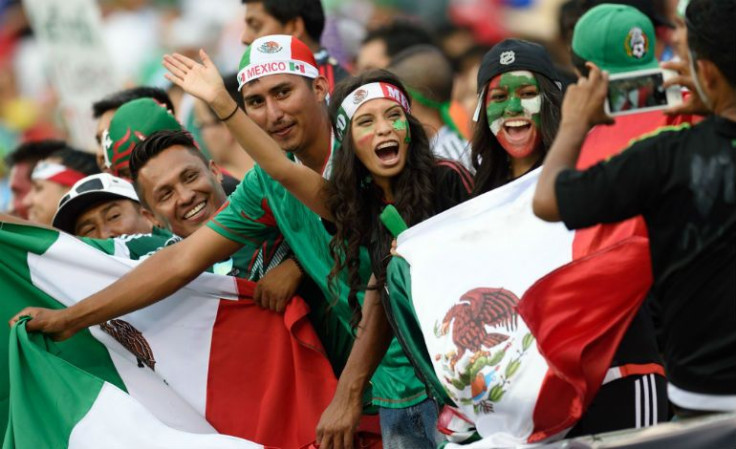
x: 636, y: 44
x: 507, y: 57
x: 359, y: 95
x: 270, y: 47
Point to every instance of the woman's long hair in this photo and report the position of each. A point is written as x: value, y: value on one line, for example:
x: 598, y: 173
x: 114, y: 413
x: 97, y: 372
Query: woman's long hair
x: 356, y: 202
x: 491, y: 161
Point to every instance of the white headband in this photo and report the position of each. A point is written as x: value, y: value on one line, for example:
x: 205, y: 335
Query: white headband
x: 364, y: 93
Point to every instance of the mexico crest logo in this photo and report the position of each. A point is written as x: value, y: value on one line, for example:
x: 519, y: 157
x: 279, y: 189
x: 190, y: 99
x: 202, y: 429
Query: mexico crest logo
x: 132, y: 339
x: 637, y: 44
x: 359, y: 95
x: 270, y: 47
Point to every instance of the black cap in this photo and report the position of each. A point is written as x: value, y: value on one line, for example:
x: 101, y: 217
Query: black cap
x: 515, y: 54
x: 645, y: 6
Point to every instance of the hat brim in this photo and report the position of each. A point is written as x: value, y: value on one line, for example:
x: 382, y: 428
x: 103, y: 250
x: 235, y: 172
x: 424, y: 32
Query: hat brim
x: 66, y: 216
x: 613, y: 69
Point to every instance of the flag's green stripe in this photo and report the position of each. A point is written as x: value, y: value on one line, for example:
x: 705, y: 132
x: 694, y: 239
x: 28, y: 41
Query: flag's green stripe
x: 17, y: 292
x: 50, y: 396
x: 406, y: 326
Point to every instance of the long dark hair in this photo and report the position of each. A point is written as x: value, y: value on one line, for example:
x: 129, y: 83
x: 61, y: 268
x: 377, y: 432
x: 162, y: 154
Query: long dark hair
x: 356, y: 202
x: 490, y: 160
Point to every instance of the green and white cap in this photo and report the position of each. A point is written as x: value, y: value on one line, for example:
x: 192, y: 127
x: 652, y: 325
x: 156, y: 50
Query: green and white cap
x: 276, y: 54
x: 616, y: 38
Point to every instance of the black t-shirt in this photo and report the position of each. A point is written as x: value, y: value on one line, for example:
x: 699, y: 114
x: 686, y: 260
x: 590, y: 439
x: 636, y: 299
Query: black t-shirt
x: 330, y: 68
x: 683, y: 182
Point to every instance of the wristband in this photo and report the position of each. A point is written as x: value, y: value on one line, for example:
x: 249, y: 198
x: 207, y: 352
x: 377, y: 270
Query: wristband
x: 229, y: 115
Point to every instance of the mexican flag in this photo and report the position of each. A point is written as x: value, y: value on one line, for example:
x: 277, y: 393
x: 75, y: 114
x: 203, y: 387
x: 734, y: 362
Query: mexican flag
x: 206, y: 360
x: 512, y: 339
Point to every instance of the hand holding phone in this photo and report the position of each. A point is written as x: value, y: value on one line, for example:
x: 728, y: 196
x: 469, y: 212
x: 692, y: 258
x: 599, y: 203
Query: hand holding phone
x: 641, y: 91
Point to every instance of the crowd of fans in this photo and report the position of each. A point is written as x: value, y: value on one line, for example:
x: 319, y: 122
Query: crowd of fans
x: 278, y: 171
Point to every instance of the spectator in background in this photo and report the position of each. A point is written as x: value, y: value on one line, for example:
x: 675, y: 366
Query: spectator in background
x: 303, y: 19
x: 662, y: 25
x: 102, y: 206
x: 21, y: 163
x: 465, y: 88
x: 52, y: 178
x: 104, y: 109
x: 382, y: 44
x: 427, y: 75
x: 224, y: 149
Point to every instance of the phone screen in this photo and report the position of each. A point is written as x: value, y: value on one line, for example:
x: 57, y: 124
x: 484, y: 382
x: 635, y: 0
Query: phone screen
x: 630, y: 94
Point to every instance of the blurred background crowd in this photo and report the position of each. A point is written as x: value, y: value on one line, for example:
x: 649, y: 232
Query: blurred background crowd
x: 360, y: 34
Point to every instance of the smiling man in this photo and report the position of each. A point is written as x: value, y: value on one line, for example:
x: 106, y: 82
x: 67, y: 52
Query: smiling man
x: 102, y: 206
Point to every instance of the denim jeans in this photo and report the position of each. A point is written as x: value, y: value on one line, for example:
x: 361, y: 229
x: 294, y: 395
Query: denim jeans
x: 412, y: 427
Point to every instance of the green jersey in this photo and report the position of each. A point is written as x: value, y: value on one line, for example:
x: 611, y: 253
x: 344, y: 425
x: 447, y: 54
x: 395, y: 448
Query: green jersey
x: 260, y: 209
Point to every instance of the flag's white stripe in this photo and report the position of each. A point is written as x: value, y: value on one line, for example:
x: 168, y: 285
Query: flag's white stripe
x: 116, y: 421
x: 637, y: 401
x: 178, y: 329
x: 492, y: 241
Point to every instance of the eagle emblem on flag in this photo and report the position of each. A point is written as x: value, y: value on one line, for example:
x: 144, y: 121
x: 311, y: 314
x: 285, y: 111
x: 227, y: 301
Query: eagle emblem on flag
x: 132, y: 339
x: 478, y: 368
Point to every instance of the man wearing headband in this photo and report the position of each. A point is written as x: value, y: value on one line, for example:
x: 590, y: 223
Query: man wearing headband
x: 302, y: 19
x: 428, y: 75
x: 21, y: 163
x: 683, y: 181
x: 52, y: 178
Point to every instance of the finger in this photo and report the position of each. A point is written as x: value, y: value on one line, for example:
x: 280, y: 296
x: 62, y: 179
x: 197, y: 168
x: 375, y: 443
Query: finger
x: 257, y: 294
x: 174, y: 70
x: 674, y: 65
x: 205, y: 58
x: 188, y: 62
x: 174, y: 62
x: 347, y: 439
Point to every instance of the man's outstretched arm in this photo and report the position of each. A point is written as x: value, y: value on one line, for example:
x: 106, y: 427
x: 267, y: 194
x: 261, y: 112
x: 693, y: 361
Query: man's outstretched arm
x: 156, y: 278
x: 582, y: 109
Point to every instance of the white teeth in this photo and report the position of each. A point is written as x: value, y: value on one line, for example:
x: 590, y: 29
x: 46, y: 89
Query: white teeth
x: 386, y: 145
x: 194, y: 211
x: 515, y: 123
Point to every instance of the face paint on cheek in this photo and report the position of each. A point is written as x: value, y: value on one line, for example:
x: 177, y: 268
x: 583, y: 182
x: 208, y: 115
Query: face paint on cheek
x: 494, y: 112
x: 364, y: 136
x: 400, y: 125
x: 532, y: 108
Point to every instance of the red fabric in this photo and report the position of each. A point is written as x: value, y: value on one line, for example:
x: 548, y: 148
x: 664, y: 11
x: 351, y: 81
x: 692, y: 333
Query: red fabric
x: 579, y: 313
x: 269, y: 378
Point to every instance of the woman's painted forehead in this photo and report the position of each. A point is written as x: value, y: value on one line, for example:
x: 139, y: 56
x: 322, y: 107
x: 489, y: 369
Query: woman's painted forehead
x: 513, y: 79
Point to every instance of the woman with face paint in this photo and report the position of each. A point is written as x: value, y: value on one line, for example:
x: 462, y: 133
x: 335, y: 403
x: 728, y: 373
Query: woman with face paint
x: 518, y: 112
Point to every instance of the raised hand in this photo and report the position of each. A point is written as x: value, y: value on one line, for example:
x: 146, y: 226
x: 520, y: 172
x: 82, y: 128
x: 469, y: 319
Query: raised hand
x: 201, y: 80
x: 583, y: 103
x: 692, y: 103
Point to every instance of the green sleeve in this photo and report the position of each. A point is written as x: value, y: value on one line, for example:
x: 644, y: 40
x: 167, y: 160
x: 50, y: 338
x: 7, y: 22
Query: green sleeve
x: 133, y: 247
x: 246, y: 218
x: 403, y: 318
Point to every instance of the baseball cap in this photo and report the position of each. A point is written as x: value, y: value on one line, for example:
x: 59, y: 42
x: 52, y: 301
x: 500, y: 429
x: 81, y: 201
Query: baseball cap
x: 276, y: 54
x: 511, y: 55
x: 131, y: 124
x: 88, y: 192
x: 617, y: 38
x: 645, y: 6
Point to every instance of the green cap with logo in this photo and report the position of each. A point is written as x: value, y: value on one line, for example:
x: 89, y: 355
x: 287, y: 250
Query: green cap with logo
x: 131, y: 124
x: 616, y: 38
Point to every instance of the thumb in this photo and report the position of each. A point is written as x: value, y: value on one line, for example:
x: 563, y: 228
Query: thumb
x: 205, y: 58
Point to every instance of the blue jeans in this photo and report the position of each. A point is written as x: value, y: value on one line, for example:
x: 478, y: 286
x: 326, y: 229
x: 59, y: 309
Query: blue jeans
x: 412, y: 427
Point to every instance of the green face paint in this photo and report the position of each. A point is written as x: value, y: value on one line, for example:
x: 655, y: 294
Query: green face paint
x: 508, y: 96
x: 400, y: 125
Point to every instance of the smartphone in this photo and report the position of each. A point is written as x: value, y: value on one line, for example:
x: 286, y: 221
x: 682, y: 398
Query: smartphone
x: 641, y: 91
